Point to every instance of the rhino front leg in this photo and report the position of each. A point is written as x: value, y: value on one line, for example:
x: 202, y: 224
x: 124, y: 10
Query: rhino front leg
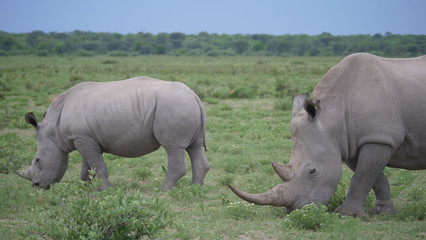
x: 85, y: 168
x: 176, y: 168
x: 92, y: 159
x: 200, y: 165
x: 371, y: 162
x: 383, y: 205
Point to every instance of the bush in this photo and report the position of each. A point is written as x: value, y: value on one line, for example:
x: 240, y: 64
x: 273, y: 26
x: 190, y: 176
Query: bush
x: 142, y: 173
x: 338, y: 197
x: 310, y: 217
x: 415, y: 211
x: 42, y: 53
x: 115, y: 215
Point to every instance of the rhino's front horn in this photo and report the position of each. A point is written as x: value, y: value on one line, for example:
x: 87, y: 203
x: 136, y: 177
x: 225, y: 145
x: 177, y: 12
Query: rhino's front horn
x: 285, y: 171
x: 273, y: 197
x: 24, y: 174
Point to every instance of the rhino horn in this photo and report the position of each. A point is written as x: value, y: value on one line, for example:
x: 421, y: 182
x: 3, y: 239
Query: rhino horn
x: 285, y: 171
x: 24, y: 174
x: 272, y: 197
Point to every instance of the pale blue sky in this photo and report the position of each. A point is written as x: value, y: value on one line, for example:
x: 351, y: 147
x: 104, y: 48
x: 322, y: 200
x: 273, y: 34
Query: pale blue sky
x: 338, y: 17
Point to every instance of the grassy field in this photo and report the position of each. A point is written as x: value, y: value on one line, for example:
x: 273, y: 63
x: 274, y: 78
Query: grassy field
x: 248, y: 104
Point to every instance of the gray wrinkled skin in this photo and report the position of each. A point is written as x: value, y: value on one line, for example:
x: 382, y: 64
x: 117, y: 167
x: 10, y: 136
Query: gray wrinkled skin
x: 128, y: 118
x: 368, y: 111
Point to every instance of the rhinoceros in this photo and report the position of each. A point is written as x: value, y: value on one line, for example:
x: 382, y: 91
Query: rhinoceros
x: 128, y: 118
x: 367, y: 111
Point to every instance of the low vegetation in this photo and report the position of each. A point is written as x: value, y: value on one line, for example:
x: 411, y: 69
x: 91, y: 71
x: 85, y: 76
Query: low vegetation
x: 88, y: 44
x: 248, y: 104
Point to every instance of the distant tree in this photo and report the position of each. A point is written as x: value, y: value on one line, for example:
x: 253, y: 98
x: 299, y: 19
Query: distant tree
x: 59, y: 48
x: 88, y: 43
x: 176, y: 39
x: 8, y: 43
x: 325, y: 38
x: 240, y: 46
x: 160, y: 49
x: 43, y: 45
x: 261, y: 37
x: 34, y: 38
x: 258, y: 46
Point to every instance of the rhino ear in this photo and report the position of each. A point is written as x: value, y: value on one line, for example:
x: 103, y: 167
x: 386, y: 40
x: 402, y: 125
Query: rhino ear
x: 312, y: 108
x: 298, y: 102
x: 31, y: 119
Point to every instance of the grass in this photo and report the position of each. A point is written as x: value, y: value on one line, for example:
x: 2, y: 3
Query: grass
x: 248, y: 113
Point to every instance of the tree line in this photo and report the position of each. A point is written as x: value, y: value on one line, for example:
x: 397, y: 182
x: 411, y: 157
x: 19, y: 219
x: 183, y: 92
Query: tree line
x: 86, y: 43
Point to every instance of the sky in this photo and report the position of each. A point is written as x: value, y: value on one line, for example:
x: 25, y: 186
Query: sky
x: 276, y: 17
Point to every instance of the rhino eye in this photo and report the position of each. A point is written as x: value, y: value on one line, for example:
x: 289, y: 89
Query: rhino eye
x: 37, y: 160
x: 312, y: 171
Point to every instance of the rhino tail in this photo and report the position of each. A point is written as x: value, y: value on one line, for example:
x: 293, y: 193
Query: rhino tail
x: 203, y: 120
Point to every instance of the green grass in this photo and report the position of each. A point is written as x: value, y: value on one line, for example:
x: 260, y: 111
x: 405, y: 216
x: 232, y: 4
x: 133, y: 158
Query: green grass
x: 248, y: 113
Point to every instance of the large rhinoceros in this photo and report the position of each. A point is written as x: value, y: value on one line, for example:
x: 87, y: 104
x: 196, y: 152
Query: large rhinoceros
x: 368, y: 111
x: 127, y: 118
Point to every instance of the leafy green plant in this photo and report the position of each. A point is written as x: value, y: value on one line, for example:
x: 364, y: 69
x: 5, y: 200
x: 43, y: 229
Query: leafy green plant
x: 142, y: 173
x: 88, y: 214
x: 310, y: 217
x: 226, y: 179
x: 413, y: 211
x: 338, y: 197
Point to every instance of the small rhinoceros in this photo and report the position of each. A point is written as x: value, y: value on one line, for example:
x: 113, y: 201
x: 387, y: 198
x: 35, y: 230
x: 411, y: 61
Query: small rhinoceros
x: 128, y: 118
x: 368, y: 111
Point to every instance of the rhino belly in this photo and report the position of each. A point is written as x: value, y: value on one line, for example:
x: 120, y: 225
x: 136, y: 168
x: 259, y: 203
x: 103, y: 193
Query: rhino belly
x: 131, y: 146
x: 411, y: 154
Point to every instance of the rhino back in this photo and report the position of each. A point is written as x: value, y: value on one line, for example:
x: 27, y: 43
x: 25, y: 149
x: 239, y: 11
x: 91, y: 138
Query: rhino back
x: 119, y: 115
x: 381, y: 100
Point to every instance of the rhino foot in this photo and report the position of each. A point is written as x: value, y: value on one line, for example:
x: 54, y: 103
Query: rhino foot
x: 347, y: 210
x: 382, y: 208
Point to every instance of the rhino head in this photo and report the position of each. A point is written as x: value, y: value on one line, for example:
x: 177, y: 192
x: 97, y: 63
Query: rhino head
x: 314, y: 170
x: 50, y: 162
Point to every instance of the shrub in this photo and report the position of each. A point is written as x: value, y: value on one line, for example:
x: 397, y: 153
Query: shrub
x: 226, y: 179
x: 413, y: 211
x: 310, y: 217
x: 42, y: 53
x: 117, y: 215
x: 142, y: 173
x: 338, y: 197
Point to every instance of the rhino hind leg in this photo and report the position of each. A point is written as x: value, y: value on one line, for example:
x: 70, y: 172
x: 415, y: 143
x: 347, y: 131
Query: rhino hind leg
x: 176, y: 168
x: 200, y: 165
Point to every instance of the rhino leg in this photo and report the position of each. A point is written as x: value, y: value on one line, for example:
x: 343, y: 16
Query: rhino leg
x: 176, y: 168
x: 370, y: 164
x: 383, y: 204
x: 92, y: 159
x: 200, y: 165
x: 85, y: 176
